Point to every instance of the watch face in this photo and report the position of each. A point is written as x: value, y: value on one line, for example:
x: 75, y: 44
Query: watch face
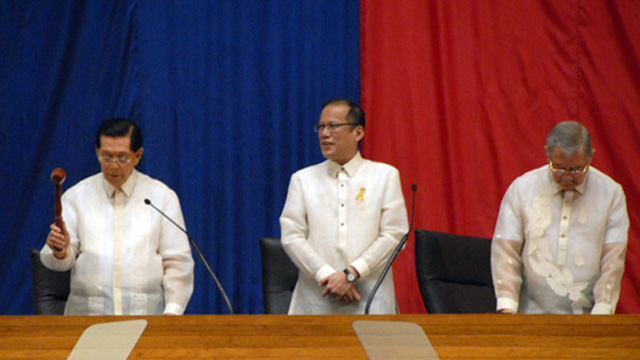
x: 351, y: 277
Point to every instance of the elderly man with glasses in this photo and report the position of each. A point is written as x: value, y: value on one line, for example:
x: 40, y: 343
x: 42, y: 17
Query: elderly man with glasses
x: 341, y: 221
x: 561, y: 236
x: 125, y: 258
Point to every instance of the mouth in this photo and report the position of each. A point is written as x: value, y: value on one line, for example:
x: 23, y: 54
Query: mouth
x: 568, y: 185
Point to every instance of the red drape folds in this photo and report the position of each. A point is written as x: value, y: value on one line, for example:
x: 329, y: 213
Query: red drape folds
x: 460, y: 95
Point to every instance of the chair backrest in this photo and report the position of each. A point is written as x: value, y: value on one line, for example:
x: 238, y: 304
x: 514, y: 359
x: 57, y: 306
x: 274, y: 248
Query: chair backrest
x: 50, y: 289
x: 279, y: 276
x: 454, y: 273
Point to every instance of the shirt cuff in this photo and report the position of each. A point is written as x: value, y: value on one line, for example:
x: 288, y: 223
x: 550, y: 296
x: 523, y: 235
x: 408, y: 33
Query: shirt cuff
x: 324, y: 271
x: 52, y: 262
x: 362, y: 267
x: 506, y: 303
x: 602, y: 309
x: 173, y: 309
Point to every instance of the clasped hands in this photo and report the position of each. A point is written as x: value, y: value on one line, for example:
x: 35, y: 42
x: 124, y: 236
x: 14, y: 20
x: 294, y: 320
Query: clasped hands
x: 337, y: 286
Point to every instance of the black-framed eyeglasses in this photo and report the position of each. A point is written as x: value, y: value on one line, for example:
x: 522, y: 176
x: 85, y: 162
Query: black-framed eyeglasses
x: 331, y: 127
x: 559, y: 171
x: 106, y: 159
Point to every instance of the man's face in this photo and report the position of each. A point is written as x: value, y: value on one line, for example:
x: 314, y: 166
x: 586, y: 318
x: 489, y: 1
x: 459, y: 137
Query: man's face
x: 340, y: 144
x: 122, y: 159
x: 574, y: 164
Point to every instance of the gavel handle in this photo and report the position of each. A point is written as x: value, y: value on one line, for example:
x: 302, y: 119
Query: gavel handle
x: 57, y: 208
x: 57, y: 177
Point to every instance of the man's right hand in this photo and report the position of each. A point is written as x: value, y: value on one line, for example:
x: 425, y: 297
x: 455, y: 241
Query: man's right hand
x: 59, y: 240
x: 337, y: 286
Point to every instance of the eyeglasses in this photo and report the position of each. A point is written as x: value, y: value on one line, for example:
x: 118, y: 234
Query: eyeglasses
x: 331, y: 127
x: 559, y: 171
x: 106, y: 160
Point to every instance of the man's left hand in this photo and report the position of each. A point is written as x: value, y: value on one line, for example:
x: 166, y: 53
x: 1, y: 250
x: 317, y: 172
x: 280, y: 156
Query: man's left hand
x: 337, y: 286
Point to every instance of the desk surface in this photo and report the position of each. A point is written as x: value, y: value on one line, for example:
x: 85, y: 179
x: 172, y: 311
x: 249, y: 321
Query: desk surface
x: 489, y: 336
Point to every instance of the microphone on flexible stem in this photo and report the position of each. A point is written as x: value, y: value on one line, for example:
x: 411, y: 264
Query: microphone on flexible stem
x: 393, y: 255
x: 199, y: 253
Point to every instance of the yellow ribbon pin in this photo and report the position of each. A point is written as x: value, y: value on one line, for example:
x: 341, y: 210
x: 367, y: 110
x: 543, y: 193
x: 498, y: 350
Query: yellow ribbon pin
x: 360, y: 195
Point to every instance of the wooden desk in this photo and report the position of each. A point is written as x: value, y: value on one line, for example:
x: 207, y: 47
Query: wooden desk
x: 488, y: 336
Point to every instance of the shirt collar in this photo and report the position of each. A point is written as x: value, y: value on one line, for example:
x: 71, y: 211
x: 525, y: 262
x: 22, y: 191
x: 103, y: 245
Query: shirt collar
x: 580, y: 188
x: 349, y: 168
x: 127, y: 187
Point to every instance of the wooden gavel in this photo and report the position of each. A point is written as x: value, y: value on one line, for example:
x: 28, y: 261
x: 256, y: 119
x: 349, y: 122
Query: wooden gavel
x: 57, y: 178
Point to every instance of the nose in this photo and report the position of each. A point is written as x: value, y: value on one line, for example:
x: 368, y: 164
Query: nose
x: 114, y: 163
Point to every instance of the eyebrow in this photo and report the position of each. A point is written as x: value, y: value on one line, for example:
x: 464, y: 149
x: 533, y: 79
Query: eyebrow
x: 108, y: 153
x: 556, y: 166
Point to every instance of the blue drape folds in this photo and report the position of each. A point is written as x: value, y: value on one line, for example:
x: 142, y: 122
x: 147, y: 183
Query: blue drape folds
x: 225, y: 92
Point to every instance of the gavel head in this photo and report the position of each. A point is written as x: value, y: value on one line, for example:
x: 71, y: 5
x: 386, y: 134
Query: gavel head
x: 57, y: 176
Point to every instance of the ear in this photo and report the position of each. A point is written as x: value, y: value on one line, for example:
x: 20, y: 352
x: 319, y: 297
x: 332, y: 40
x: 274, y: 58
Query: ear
x: 137, y: 156
x: 359, y: 133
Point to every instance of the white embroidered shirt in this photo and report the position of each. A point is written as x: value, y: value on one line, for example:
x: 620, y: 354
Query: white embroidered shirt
x: 560, y: 252
x: 126, y: 259
x: 336, y: 216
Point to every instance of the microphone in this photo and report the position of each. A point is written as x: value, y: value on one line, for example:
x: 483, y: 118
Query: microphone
x: 199, y: 253
x: 393, y: 255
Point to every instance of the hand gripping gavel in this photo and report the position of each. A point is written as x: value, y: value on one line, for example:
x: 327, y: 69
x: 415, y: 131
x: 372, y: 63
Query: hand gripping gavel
x: 57, y: 178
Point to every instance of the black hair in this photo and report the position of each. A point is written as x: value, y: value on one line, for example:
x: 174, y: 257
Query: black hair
x: 355, y: 114
x: 119, y: 127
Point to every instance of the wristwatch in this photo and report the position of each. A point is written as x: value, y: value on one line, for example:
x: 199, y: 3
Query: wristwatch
x: 351, y: 277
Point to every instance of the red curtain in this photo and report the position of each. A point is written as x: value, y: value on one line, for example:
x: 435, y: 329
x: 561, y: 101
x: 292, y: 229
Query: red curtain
x: 460, y: 95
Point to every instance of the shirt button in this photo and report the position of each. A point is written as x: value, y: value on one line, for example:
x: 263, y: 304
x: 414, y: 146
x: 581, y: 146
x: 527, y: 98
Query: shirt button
x: 564, y: 217
x: 341, y: 224
x: 563, y: 236
x: 342, y: 205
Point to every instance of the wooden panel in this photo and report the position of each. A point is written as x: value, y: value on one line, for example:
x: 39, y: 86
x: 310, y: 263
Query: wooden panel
x: 488, y: 336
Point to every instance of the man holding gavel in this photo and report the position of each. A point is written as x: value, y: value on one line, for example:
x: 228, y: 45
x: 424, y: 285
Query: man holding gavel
x: 125, y: 258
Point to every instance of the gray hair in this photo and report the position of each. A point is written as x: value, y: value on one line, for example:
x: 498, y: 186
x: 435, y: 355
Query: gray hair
x: 569, y: 137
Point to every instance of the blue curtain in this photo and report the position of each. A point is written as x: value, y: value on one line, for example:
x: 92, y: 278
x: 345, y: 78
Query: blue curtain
x: 225, y: 91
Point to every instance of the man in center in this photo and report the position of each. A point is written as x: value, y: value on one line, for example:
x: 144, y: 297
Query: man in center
x: 341, y: 221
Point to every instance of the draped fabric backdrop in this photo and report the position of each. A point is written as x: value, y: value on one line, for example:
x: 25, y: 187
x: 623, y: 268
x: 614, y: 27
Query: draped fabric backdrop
x: 461, y: 94
x: 226, y: 93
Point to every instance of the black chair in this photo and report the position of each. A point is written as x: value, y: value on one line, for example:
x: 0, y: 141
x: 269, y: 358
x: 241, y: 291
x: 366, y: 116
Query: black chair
x: 50, y: 289
x: 454, y: 273
x: 279, y: 276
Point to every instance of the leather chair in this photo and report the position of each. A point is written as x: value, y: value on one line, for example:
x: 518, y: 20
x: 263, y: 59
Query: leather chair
x: 279, y: 276
x: 454, y: 273
x: 50, y: 289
